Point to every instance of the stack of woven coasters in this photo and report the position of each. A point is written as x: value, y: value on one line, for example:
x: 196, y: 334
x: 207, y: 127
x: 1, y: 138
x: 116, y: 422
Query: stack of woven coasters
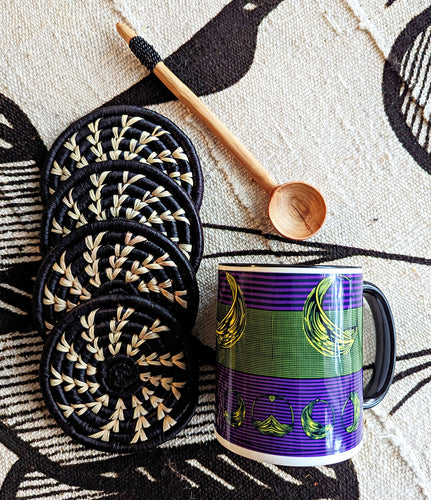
x: 116, y: 295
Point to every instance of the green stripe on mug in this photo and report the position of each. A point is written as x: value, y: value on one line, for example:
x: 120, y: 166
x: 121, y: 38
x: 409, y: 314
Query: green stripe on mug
x: 293, y: 355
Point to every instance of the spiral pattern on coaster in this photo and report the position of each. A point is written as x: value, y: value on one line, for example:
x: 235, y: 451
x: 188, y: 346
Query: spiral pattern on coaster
x: 129, y: 133
x: 129, y: 190
x: 118, y: 374
x: 114, y: 256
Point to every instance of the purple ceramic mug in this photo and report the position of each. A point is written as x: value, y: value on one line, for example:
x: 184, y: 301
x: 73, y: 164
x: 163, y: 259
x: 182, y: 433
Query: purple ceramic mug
x: 289, y: 361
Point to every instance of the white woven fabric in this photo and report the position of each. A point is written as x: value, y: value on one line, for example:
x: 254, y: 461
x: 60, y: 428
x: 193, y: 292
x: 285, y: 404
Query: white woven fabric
x: 311, y: 107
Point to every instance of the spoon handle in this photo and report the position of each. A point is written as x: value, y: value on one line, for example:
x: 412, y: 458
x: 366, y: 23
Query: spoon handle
x: 218, y: 128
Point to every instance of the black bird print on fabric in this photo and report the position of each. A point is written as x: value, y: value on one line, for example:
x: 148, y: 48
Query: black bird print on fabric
x: 215, y: 58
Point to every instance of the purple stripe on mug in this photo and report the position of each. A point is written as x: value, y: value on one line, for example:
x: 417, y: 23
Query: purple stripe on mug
x: 280, y: 303
x: 289, y: 386
x: 278, y: 416
x: 286, y: 293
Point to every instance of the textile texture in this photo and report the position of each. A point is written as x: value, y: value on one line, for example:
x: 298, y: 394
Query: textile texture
x: 336, y: 93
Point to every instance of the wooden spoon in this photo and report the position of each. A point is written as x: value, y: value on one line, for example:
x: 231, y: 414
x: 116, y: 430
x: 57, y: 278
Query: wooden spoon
x: 296, y: 209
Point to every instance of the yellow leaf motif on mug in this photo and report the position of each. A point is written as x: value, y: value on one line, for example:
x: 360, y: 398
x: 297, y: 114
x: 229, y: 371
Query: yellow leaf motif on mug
x: 232, y: 326
x: 322, y: 333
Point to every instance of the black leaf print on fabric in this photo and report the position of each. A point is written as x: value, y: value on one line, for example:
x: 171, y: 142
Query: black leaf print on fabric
x: 204, y: 470
x: 21, y: 154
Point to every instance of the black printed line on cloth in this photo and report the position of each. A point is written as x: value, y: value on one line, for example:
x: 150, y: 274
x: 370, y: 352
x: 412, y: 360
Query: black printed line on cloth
x: 56, y: 490
x: 18, y: 226
x: 25, y: 335
x: 30, y: 250
x: 22, y: 135
x: 81, y: 475
x: 28, y: 377
x: 10, y: 184
x: 410, y: 371
x: 332, y: 251
x: 14, y: 351
x: 27, y: 164
x: 12, y: 402
x: 19, y: 189
x: 34, y: 361
x: 48, y: 427
x: 15, y: 290
x: 407, y: 372
x: 410, y: 394
x: 415, y: 354
x: 20, y: 176
x: 34, y: 460
x: 206, y: 411
x: 29, y: 187
x: 207, y: 391
x: 29, y: 235
x: 23, y: 212
x: 22, y: 416
x: 24, y: 189
x: 418, y: 63
x: 32, y: 388
x: 20, y: 203
x: 47, y: 491
x: 14, y: 478
x: 11, y: 259
x: 274, y: 253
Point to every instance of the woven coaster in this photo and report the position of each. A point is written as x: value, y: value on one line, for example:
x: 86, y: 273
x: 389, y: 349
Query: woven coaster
x: 109, y: 257
x: 118, y: 374
x: 124, y: 132
x: 125, y: 189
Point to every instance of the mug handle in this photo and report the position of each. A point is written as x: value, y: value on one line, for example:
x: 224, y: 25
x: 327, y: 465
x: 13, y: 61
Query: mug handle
x: 384, y: 364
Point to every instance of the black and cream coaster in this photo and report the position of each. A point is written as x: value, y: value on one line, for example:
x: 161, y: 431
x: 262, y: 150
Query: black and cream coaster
x: 129, y: 133
x: 112, y: 256
x: 118, y: 374
x: 126, y: 189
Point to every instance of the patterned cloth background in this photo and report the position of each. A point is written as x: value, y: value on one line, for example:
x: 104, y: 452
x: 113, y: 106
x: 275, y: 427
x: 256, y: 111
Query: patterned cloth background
x: 336, y: 93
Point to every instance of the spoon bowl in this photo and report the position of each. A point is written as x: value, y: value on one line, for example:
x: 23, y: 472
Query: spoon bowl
x: 297, y: 210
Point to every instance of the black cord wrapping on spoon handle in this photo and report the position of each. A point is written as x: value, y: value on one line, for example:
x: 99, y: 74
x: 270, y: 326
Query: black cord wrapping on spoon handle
x: 145, y: 52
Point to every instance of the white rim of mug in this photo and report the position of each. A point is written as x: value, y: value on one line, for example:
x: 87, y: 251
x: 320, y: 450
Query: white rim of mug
x: 289, y: 460
x: 282, y: 268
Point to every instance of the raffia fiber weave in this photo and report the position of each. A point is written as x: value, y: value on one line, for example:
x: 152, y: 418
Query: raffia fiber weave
x: 124, y: 132
x: 111, y: 256
x: 129, y: 190
x: 118, y: 375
